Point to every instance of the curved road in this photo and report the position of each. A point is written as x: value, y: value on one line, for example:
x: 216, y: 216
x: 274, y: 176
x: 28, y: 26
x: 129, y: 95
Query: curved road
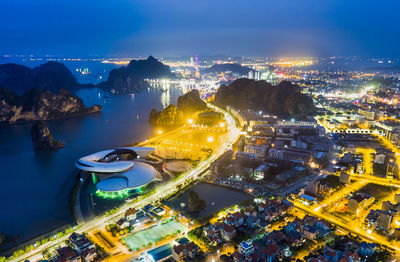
x: 167, y: 189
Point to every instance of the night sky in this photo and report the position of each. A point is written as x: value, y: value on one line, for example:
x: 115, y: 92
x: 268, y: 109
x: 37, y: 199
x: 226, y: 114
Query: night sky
x: 184, y: 27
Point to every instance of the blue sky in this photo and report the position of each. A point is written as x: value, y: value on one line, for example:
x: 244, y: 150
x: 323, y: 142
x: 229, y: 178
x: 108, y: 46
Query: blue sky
x: 184, y: 27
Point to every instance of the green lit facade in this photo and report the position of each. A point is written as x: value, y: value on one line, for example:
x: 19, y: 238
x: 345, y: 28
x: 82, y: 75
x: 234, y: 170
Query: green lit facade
x: 122, y: 193
x: 95, y: 179
x: 118, y: 194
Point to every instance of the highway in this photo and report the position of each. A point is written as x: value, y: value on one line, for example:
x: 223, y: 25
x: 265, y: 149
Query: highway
x: 99, y: 222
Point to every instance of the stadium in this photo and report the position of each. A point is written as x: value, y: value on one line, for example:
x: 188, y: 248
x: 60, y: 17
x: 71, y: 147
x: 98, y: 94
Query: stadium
x: 117, y: 173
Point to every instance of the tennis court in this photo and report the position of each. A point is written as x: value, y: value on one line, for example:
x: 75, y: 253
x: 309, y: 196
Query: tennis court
x: 152, y: 235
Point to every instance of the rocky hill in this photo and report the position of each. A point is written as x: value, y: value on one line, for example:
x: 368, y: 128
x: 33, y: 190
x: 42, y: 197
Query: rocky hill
x: 234, y: 68
x: 51, y: 76
x: 42, y: 138
x: 131, y: 78
x: 191, y: 102
x: 37, y: 104
x: 284, y: 99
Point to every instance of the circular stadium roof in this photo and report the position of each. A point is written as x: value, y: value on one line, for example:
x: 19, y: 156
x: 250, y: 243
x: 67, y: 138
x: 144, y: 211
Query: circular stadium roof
x: 97, y: 162
x: 138, y: 175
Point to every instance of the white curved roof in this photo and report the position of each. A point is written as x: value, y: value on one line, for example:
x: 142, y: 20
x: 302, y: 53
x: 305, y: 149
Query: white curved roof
x: 91, y: 162
x: 139, y: 175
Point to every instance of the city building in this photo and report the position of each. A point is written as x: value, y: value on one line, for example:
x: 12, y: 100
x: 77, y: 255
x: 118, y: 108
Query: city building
x: 130, y: 214
x: 370, y: 115
x: 358, y: 202
x: 246, y: 156
x: 312, y: 187
x: 246, y: 248
x: 260, y: 172
x: 344, y: 177
x: 391, y: 169
x: 83, y: 246
x: 185, y: 252
x: 291, y: 154
x: 67, y: 254
x: 159, y: 211
x: 260, y: 151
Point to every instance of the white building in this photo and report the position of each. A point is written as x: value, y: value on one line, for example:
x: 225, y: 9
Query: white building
x: 260, y: 151
x: 259, y: 172
x: 246, y: 248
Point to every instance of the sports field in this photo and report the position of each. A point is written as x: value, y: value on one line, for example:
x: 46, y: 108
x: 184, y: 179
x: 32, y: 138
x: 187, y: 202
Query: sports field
x: 152, y: 235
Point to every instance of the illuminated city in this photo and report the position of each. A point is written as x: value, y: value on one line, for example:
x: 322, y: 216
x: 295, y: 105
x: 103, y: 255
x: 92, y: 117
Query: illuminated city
x: 209, y: 131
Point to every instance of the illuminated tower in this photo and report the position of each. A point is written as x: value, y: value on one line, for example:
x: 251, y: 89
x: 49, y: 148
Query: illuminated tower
x: 196, y: 66
x: 191, y: 61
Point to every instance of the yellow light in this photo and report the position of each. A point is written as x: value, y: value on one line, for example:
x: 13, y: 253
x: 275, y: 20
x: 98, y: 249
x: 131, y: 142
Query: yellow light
x: 210, y: 139
x: 190, y: 121
x: 159, y: 132
x: 222, y: 124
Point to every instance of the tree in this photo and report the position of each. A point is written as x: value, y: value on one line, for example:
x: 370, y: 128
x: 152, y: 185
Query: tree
x: 44, y: 241
x: 69, y: 230
x: 169, y: 116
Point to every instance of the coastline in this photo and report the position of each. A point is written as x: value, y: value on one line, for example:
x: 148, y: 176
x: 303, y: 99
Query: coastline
x: 4, y: 124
